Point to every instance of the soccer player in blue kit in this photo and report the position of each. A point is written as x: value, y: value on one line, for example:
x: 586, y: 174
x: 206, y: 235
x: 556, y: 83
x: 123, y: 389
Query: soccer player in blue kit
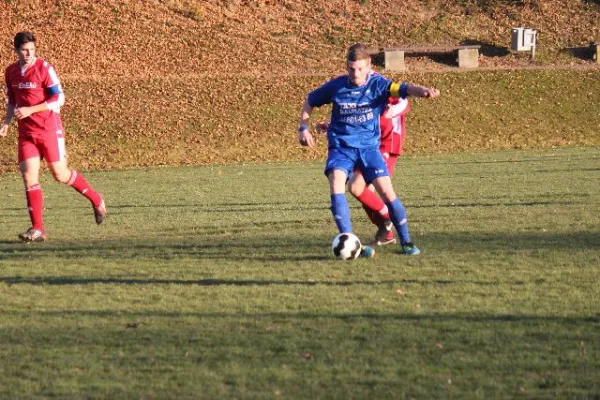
x: 358, y: 100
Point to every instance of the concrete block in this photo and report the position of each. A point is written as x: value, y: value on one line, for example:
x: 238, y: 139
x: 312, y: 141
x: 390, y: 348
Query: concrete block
x: 394, y: 60
x: 468, y: 58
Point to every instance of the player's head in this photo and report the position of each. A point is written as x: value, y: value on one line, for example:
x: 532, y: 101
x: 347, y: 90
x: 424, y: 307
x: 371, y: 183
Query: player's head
x: 358, y: 63
x: 25, y: 46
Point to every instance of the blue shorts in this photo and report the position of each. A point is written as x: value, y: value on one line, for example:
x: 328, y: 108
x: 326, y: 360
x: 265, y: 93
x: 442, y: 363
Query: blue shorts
x: 369, y: 162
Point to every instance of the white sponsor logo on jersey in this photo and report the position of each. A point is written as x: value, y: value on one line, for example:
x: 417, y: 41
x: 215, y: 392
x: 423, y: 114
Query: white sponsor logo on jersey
x: 27, y: 85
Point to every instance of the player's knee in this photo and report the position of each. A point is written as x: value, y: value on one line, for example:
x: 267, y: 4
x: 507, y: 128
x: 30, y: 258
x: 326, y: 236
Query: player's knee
x: 387, y: 194
x: 356, y: 189
x: 29, y: 179
x: 337, y: 185
x: 61, y: 175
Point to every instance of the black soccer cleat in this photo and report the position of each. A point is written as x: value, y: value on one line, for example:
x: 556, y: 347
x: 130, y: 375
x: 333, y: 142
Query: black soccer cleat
x: 100, y: 211
x: 33, y: 235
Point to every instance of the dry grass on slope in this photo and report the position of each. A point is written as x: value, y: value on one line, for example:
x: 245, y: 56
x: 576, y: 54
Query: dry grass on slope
x: 178, y: 38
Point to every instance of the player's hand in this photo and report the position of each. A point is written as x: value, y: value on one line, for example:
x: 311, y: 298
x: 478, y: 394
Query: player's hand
x: 23, y: 112
x: 431, y: 93
x: 305, y: 138
x: 4, y: 130
x: 322, y: 127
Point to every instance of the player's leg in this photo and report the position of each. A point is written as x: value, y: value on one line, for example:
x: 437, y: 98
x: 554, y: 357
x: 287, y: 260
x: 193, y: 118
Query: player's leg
x: 63, y: 174
x: 54, y: 153
x: 377, y: 174
x: 29, y: 165
x: 339, y: 204
x: 373, y: 205
x: 385, y: 233
x: 383, y: 185
x: 340, y: 163
x: 375, y: 208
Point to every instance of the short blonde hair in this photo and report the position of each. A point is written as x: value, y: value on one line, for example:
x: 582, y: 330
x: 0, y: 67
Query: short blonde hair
x: 358, y: 51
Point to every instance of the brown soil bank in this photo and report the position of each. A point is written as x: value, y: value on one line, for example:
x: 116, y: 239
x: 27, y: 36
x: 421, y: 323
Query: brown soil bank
x: 174, y: 37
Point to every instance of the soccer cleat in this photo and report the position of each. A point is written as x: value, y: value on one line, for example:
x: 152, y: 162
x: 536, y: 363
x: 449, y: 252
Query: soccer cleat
x: 33, y: 235
x: 367, y: 252
x: 384, y: 234
x: 387, y: 239
x: 100, y: 211
x: 410, y: 249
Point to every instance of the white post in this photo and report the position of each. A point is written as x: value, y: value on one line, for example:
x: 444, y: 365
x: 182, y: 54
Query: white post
x: 533, y: 44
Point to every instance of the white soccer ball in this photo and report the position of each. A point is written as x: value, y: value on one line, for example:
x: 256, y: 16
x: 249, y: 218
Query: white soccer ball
x: 346, y: 246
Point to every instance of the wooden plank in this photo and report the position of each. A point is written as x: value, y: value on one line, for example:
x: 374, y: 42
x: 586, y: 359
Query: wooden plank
x: 430, y: 49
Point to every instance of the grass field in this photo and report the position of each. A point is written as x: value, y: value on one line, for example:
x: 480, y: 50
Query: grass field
x: 217, y: 282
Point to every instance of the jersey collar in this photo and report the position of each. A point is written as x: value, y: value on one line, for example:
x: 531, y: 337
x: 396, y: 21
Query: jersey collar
x: 27, y: 66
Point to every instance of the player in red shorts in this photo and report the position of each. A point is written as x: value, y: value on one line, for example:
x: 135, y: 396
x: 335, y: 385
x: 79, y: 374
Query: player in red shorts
x: 392, y: 124
x: 393, y: 132
x: 34, y: 97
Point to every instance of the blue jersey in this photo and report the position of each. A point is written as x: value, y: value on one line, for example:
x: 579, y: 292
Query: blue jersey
x: 356, y: 110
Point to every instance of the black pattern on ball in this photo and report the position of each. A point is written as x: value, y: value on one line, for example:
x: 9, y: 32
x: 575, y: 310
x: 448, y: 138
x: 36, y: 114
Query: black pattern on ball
x: 340, y: 246
x: 356, y: 249
x: 343, y: 238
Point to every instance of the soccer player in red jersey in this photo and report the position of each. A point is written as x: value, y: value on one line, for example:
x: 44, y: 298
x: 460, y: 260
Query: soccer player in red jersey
x: 393, y: 132
x: 34, y: 97
x: 392, y: 124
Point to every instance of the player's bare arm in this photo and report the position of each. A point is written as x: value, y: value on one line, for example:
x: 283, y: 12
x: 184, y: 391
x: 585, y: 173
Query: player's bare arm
x: 421, y: 91
x: 405, y: 89
x: 10, y: 112
x: 24, y: 112
x: 304, y: 136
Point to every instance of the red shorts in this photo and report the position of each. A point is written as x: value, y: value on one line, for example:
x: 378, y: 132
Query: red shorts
x: 50, y: 147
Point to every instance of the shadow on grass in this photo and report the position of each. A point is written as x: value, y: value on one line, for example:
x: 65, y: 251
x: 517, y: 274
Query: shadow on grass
x: 431, y: 317
x: 219, y: 208
x: 581, y: 52
x: 597, y: 2
x: 75, y: 280
x: 226, y: 208
x: 487, y: 49
x: 270, y: 249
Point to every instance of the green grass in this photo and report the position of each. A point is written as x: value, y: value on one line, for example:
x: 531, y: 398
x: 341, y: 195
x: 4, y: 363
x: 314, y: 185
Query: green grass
x: 217, y: 282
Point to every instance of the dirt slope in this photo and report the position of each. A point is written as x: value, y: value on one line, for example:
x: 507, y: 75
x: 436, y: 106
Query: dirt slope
x: 140, y: 38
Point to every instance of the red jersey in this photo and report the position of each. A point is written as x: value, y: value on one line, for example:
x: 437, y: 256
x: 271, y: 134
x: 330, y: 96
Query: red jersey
x: 393, y: 126
x: 34, y: 85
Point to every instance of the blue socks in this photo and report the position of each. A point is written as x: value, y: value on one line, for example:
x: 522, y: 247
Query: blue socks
x: 341, y: 212
x: 398, y: 217
x: 341, y: 215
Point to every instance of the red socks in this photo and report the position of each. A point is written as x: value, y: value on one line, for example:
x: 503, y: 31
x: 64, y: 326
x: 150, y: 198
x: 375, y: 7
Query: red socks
x: 35, y: 198
x: 374, y: 216
x: 35, y: 205
x: 375, y: 207
x: 78, y: 182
